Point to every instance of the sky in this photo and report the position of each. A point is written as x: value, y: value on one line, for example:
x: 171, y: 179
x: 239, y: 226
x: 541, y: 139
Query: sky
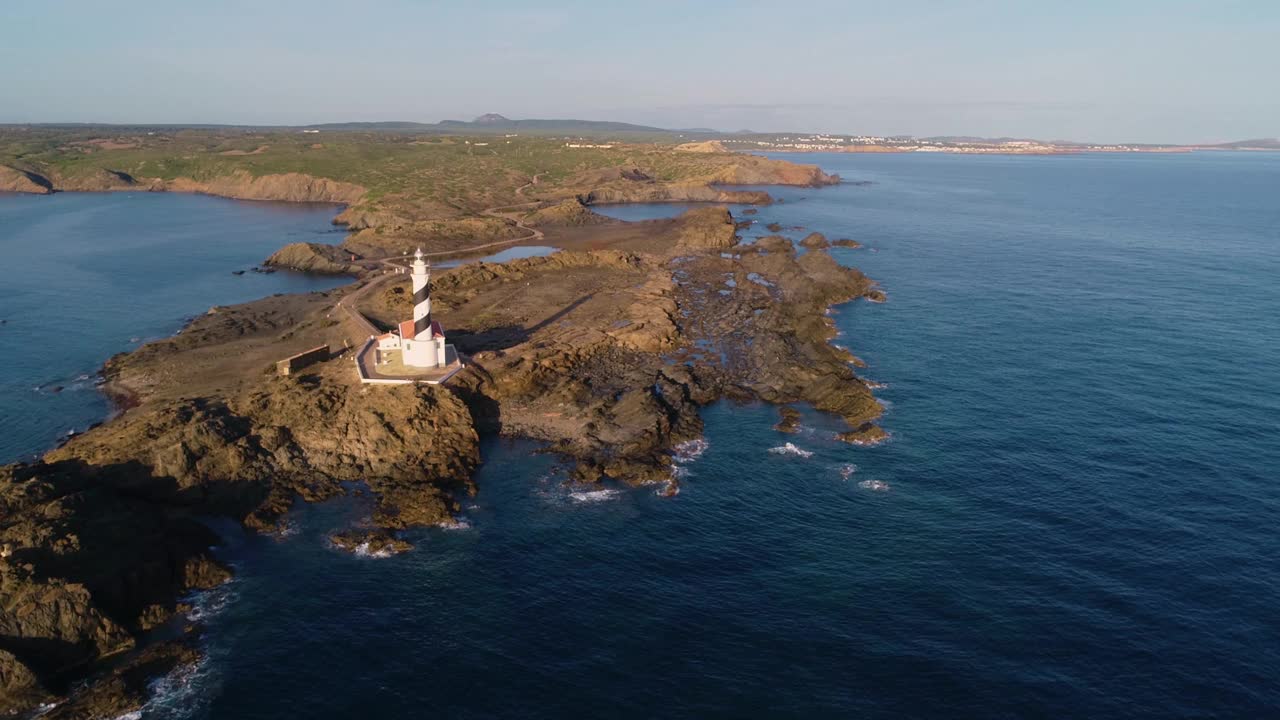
x: 1170, y: 71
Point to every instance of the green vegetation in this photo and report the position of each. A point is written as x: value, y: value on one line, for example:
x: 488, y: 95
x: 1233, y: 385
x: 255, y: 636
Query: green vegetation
x: 435, y: 176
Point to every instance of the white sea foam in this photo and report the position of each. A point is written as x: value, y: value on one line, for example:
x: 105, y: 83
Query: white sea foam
x: 286, y: 529
x: 594, y: 496
x: 791, y: 449
x: 186, y: 692
x: 874, y: 485
x: 183, y: 693
x: 690, y: 450
x: 670, y: 489
x: 847, y: 471
x: 456, y: 524
x: 209, y: 603
x: 366, y: 550
x: 872, y: 442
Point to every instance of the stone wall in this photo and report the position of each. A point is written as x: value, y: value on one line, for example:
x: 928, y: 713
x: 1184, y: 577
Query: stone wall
x: 297, y: 362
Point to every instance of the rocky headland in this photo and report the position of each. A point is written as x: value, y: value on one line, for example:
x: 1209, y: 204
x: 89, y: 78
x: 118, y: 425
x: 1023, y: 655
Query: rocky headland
x: 605, y: 351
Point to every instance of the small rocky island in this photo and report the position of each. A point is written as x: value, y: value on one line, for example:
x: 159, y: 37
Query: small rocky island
x: 604, y: 350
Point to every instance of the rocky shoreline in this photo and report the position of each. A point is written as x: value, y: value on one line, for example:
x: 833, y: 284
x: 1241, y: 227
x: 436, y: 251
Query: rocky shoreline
x: 606, y: 355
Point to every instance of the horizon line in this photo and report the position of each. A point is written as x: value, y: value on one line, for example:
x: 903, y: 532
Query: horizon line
x: 638, y: 128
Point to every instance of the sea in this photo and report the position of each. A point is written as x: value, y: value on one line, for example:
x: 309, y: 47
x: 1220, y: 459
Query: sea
x: 1075, y: 516
x: 84, y: 276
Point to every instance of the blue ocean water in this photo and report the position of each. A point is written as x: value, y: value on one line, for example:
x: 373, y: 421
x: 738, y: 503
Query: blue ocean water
x: 1074, y: 518
x: 86, y: 276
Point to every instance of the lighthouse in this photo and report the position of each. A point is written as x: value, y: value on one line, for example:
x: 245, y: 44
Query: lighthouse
x: 416, y: 350
x: 421, y: 297
x: 421, y: 340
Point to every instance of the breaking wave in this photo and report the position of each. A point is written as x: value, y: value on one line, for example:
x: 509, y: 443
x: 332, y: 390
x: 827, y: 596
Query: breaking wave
x: 847, y: 471
x: 364, y: 549
x: 183, y: 693
x: 874, y: 485
x: 210, y: 603
x: 187, y: 691
x: 689, y: 450
x: 286, y: 529
x: 594, y: 496
x: 791, y: 449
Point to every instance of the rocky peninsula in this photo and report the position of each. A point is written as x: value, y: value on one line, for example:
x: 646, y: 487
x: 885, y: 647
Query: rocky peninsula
x: 605, y: 351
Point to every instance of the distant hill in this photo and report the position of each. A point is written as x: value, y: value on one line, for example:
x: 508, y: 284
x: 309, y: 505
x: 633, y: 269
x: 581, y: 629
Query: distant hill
x: 1258, y: 144
x: 390, y: 125
x: 494, y: 121
x: 491, y: 123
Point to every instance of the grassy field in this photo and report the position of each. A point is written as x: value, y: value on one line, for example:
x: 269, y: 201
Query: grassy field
x: 465, y: 173
x: 403, y: 189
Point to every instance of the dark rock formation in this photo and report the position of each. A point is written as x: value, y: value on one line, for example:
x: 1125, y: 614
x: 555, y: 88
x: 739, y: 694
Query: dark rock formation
x: 789, y: 420
x: 23, y: 181
x: 99, y: 539
x: 815, y: 241
x: 672, y: 192
x: 313, y: 258
x: 568, y: 213
x: 373, y: 543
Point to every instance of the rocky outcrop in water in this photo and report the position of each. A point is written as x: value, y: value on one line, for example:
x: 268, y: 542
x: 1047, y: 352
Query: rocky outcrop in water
x: 313, y: 258
x: 788, y: 420
x: 286, y: 187
x: 814, y: 241
x: 673, y: 192
x: 23, y: 181
x: 781, y: 173
x: 617, y: 387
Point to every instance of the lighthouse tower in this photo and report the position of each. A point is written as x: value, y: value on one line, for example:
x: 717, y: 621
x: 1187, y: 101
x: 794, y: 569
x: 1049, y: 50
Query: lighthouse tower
x: 422, y: 329
x: 421, y: 339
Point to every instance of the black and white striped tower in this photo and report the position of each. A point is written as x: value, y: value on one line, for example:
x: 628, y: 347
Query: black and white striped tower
x: 421, y: 297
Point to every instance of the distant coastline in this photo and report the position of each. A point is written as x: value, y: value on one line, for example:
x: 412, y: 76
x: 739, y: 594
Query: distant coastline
x: 863, y: 144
